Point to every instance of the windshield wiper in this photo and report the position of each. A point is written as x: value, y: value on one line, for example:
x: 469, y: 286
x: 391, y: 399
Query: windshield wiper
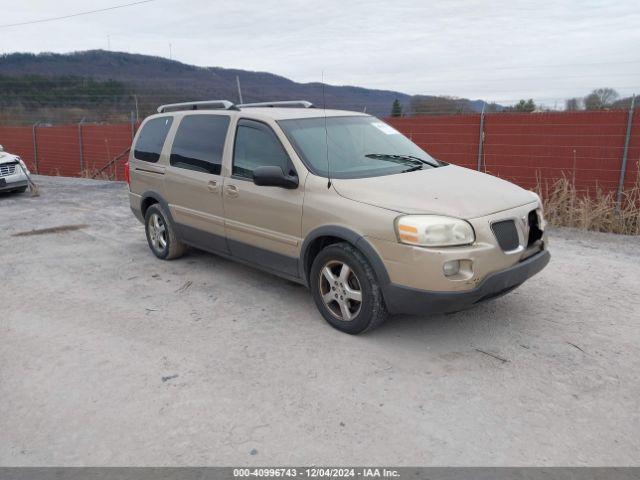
x: 433, y: 163
x: 413, y: 169
x: 411, y: 158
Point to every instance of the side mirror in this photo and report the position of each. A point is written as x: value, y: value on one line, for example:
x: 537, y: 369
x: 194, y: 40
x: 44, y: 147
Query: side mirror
x: 1, y: 148
x: 273, y: 176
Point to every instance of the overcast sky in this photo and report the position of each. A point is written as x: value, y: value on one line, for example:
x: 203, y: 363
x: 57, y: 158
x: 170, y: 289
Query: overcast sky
x: 499, y: 51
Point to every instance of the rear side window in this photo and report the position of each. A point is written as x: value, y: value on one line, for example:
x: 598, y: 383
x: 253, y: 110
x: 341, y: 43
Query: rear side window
x: 199, y: 143
x: 257, y: 145
x: 151, y: 139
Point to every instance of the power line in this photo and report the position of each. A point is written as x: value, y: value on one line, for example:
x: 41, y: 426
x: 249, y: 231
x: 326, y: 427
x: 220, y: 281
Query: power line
x: 528, y: 67
x: 7, y: 25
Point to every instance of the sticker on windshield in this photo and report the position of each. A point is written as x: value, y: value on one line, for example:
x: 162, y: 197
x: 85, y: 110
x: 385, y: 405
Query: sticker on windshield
x: 389, y: 130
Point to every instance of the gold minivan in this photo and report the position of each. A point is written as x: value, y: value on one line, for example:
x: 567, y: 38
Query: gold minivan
x: 336, y: 200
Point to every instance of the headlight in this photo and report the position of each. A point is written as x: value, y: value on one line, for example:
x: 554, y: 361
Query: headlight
x: 434, y: 231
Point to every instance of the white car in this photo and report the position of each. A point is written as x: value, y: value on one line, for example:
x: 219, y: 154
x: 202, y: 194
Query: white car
x: 12, y: 176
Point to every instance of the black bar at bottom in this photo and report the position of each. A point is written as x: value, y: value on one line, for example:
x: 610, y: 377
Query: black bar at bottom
x: 397, y: 473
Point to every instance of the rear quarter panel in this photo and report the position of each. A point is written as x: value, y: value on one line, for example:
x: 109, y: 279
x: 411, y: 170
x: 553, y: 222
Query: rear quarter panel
x: 148, y: 176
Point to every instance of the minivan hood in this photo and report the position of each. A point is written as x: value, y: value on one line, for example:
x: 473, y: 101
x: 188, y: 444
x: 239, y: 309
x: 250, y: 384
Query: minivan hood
x: 449, y: 190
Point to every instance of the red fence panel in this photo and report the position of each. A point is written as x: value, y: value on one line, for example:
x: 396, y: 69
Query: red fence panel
x: 18, y: 140
x: 535, y: 147
x: 633, y: 161
x: 101, y: 143
x: 451, y: 138
x: 585, y: 146
x: 70, y: 150
x: 524, y: 148
x: 58, y: 151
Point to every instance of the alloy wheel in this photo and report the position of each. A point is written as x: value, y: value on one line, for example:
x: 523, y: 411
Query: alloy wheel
x: 340, y: 290
x: 157, y: 232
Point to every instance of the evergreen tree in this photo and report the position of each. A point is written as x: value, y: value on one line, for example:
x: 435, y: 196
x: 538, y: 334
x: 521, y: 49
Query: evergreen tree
x: 524, y: 106
x: 396, y: 109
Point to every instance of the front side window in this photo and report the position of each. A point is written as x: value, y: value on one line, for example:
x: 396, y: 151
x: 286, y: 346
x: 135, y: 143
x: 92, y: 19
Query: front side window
x: 199, y: 143
x: 151, y: 139
x: 256, y: 145
x: 354, y: 147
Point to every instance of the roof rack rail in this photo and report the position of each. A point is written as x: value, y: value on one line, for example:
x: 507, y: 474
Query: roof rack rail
x: 287, y: 103
x: 202, y: 105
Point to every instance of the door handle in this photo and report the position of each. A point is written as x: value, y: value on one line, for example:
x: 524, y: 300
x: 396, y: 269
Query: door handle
x: 212, y: 186
x: 232, y: 190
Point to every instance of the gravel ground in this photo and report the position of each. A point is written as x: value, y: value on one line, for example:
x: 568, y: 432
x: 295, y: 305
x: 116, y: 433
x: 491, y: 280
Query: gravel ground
x: 109, y: 356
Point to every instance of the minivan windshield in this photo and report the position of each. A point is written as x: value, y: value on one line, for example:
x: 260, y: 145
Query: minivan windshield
x: 354, y: 147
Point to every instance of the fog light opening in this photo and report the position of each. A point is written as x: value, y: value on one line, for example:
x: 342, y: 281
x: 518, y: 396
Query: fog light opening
x: 451, y: 268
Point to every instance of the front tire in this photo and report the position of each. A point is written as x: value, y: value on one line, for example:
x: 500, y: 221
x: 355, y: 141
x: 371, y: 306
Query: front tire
x: 161, y: 235
x: 345, y: 289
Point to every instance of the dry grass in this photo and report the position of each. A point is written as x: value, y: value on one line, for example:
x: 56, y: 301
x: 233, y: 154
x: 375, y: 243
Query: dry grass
x: 33, y: 188
x: 565, y: 206
x: 97, y: 174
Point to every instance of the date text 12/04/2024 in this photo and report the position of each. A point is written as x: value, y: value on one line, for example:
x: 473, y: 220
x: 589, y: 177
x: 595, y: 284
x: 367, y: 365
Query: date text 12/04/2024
x: 316, y: 472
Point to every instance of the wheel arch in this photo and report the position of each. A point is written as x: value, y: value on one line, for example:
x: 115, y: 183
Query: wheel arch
x: 149, y: 198
x: 319, y: 238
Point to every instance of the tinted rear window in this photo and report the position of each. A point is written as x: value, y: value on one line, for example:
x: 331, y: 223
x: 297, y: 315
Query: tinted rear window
x: 199, y: 143
x: 151, y: 139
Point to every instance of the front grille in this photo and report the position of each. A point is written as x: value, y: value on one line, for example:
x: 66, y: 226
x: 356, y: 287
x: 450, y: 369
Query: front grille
x: 506, y: 234
x: 7, y: 169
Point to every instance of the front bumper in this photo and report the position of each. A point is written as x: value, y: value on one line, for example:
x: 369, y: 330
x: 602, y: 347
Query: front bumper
x: 401, y: 299
x: 13, y: 181
x: 12, y: 184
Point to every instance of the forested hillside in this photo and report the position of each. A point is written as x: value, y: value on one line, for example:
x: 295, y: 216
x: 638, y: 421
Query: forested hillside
x: 108, y: 86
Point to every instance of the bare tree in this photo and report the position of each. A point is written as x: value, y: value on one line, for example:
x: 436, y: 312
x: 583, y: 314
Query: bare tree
x: 572, y: 104
x: 600, y: 99
x: 622, y: 103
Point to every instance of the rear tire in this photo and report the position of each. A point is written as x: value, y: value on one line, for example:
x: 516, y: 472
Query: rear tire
x: 161, y: 235
x: 345, y: 289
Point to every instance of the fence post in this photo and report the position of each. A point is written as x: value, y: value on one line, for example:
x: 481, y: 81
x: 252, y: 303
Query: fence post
x: 35, y: 146
x: 80, y: 142
x: 625, y: 154
x: 133, y: 125
x: 135, y: 99
x: 481, y: 139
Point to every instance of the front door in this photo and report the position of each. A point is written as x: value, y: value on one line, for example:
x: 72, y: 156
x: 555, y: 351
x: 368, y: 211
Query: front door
x: 263, y: 224
x: 193, y: 181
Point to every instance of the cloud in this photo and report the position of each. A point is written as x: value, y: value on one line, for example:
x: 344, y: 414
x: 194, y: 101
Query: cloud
x: 500, y: 51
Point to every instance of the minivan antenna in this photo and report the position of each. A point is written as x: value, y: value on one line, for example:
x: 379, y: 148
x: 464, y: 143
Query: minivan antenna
x: 326, y: 132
